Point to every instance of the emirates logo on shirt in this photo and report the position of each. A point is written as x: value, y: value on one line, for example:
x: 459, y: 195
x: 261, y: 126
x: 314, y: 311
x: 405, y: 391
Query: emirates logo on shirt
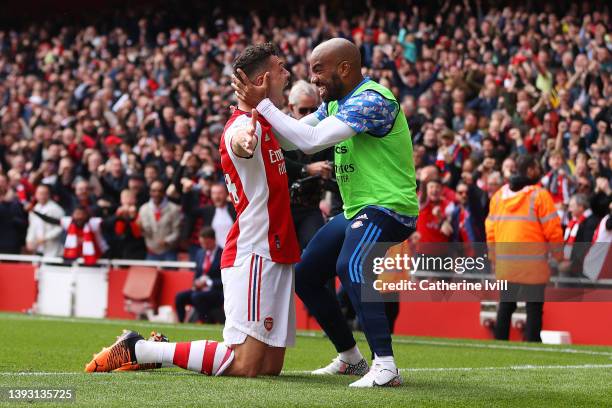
x: 269, y: 323
x: 276, y: 156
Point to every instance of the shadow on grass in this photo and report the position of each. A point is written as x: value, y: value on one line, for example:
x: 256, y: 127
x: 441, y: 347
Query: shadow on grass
x: 283, y: 378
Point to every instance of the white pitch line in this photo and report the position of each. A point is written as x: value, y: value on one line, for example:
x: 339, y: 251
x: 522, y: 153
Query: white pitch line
x: 483, y: 345
x: 111, y: 322
x: 406, y: 370
x: 502, y: 347
x: 499, y: 368
x: 306, y: 334
x: 35, y: 373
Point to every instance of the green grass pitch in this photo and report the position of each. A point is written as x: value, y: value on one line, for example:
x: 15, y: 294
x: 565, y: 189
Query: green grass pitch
x: 51, y: 352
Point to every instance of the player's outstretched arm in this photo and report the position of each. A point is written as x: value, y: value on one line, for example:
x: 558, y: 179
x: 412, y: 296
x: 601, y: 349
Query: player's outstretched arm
x: 310, y: 120
x: 309, y: 139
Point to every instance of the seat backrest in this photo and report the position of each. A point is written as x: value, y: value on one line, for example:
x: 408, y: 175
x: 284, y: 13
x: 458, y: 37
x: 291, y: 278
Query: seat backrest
x: 142, y: 283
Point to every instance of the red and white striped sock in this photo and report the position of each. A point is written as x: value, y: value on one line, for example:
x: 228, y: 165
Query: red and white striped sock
x: 203, y: 356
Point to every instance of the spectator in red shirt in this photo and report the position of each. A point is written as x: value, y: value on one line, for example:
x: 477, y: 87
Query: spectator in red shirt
x: 434, y: 223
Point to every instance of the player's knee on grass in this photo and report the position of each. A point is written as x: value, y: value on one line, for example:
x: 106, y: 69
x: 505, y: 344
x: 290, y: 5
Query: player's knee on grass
x: 242, y: 369
x: 273, y: 361
x: 248, y: 358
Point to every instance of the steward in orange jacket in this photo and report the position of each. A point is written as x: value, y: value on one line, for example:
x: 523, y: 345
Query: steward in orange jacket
x: 523, y: 228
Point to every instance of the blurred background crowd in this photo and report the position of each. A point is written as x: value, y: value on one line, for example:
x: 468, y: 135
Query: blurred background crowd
x: 109, y: 127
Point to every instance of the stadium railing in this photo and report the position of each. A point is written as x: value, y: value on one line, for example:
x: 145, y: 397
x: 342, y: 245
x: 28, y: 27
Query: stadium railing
x: 37, y: 259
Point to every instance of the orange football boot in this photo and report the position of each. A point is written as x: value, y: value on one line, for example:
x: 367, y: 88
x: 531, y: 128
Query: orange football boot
x: 131, y: 366
x: 115, y: 356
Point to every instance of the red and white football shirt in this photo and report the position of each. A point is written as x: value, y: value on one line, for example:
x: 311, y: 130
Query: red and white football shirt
x: 258, y: 187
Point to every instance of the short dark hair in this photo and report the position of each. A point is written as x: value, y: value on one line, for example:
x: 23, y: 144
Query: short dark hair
x: 524, y: 163
x: 136, y: 176
x: 474, y: 113
x: 490, y: 139
x: 152, y: 166
x: 207, y: 232
x: 254, y: 58
x: 45, y: 185
x: 82, y: 208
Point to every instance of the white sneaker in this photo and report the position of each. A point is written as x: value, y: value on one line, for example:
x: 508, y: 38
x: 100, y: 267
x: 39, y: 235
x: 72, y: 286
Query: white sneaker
x: 379, y: 377
x: 338, y: 366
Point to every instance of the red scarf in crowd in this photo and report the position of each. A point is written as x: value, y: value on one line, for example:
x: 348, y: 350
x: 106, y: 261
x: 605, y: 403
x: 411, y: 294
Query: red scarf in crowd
x: 22, y: 194
x: 80, y: 241
x: 120, y: 226
x: 558, y: 186
x: 570, y: 233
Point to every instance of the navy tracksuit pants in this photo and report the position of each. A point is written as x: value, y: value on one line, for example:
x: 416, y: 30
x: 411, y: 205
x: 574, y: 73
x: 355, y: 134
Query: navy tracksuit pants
x: 342, y: 247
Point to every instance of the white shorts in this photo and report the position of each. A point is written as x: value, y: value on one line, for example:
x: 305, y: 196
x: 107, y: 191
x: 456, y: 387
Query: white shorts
x: 259, y: 302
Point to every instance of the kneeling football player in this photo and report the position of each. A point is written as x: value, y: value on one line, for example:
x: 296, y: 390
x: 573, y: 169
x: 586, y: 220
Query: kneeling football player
x: 257, y: 262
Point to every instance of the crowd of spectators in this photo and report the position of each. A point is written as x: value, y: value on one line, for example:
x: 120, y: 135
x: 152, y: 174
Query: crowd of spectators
x: 123, y: 124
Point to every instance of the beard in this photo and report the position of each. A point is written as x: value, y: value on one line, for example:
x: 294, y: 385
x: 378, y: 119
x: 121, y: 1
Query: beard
x: 333, y: 89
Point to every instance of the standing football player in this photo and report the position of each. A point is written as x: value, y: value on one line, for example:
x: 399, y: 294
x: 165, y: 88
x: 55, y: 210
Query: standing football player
x: 376, y: 176
x: 257, y: 262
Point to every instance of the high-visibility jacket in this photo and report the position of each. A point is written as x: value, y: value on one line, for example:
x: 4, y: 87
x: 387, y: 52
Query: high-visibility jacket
x: 405, y: 248
x: 523, y: 229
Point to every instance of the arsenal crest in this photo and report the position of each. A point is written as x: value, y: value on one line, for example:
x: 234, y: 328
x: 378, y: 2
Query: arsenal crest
x: 268, y: 323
